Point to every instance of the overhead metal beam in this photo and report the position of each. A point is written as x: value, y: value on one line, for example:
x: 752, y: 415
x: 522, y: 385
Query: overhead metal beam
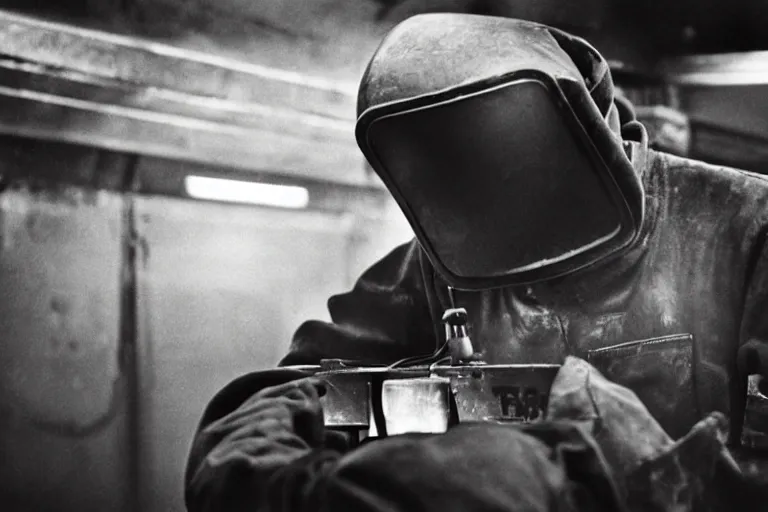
x: 62, y: 83
x: 46, y: 116
x: 727, y: 69
x: 80, y: 86
x: 139, y: 61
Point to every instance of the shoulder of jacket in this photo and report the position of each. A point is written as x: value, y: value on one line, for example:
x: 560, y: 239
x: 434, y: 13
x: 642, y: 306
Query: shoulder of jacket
x: 678, y: 164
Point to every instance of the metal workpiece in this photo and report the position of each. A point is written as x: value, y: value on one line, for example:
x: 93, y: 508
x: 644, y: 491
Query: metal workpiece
x: 347, y: 402
x: 755, y: 415
x: 419, y: 405
x: 357, y: 396
x: 113, y: 127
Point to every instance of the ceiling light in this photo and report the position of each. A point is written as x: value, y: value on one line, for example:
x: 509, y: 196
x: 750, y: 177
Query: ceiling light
x: 218, y: 189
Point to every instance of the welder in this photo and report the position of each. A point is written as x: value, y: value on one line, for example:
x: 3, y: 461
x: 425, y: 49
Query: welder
x: 542, y: 213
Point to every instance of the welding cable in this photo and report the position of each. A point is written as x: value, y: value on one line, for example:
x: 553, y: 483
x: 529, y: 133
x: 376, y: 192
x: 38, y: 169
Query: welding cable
x: 422, y: 359
x: 440, y: 361
x: 436, y: 355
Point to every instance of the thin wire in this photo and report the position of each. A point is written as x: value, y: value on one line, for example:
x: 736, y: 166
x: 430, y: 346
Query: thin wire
x: 438, y: 362
x: 413, y: 360
x: 452, y: 297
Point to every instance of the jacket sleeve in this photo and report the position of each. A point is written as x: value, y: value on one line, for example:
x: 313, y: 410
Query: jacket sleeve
x: 385, y: 317
x: 236, y: 451
x: 255, y: 427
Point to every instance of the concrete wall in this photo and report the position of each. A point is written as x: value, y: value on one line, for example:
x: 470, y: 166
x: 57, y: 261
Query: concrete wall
x: 63, y: 388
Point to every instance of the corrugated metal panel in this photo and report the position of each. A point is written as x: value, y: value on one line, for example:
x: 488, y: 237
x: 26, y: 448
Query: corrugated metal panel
x: 63, y: 422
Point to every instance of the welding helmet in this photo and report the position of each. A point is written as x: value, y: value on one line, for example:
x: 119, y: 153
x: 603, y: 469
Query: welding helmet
x: 499, y: 140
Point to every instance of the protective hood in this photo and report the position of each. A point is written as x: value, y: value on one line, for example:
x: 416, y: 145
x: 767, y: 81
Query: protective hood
x: 499, y: 140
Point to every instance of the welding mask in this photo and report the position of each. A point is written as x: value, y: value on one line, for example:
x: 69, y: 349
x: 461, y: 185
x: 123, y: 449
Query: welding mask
x: 499, y: 140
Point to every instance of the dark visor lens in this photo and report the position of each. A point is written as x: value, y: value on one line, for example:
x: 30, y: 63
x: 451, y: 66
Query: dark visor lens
x: 497, y: 181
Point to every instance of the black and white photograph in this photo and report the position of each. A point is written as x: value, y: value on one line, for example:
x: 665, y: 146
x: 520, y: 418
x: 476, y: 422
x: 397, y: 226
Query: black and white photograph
x: 383, y: 256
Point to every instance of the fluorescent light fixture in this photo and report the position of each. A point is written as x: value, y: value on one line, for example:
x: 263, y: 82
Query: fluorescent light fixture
x: 218, y: 189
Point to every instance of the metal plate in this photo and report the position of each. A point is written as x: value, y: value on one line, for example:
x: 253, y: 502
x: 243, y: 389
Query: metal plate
x: 755, y: 431
x: 515, y: 393
x: 347, y: 403
x: 510, y: 393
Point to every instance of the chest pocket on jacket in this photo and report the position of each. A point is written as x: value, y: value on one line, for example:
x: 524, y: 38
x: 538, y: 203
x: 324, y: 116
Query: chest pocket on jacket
x: 661, y: 371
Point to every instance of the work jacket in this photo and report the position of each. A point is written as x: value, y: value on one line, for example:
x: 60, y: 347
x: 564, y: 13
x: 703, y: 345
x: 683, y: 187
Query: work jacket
x: 680, y: 317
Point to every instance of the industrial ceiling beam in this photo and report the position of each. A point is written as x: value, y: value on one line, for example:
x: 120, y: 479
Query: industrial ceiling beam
x: 49, y: 117
x: 62, y: 83
x: 133, y: 60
